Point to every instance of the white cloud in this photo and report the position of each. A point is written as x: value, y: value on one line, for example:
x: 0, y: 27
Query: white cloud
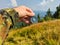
x: 43, y: 2
x: 14, y: 3
x: 46, y: 2
x: 51, y: 0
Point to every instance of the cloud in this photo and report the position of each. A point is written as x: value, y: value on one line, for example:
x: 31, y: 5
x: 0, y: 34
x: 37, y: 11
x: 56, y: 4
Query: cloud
x: 51, y: 0
x: 45, y: 2
x: 14, y: 3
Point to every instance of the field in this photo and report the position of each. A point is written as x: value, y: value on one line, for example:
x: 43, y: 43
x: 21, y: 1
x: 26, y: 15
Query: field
x: 45, y: 33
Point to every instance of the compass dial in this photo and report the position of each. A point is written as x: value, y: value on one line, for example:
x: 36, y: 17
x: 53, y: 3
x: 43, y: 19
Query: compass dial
x: 34, y: 19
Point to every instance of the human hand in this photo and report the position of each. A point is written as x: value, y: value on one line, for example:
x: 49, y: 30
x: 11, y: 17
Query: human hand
x: 25, y: 13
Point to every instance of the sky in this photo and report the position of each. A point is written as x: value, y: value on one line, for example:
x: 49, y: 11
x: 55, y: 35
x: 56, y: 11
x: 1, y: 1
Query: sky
x: 42, y: 5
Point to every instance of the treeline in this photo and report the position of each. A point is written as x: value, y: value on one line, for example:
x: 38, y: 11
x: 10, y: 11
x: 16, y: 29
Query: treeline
x: 47, y: 17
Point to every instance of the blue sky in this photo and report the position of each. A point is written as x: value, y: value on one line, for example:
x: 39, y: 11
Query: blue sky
x: 42, y: 5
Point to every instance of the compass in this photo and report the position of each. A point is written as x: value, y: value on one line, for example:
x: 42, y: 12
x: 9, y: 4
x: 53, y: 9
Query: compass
x: 34, y: 19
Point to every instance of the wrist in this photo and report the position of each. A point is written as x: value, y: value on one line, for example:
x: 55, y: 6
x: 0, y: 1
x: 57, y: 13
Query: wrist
x: 16, y: 10
x: 18, y: 16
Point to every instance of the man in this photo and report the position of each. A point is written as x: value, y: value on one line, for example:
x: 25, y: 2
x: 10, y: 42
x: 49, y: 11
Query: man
x: 11, y: 16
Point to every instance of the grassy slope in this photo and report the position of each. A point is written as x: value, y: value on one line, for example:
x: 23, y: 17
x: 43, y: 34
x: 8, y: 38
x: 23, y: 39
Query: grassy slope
x: 46, y: 33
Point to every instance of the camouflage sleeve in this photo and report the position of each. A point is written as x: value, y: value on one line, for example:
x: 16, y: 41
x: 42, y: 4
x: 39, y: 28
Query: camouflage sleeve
x: 3, y: 25
x: 13, y: 15
x: 8, y: 17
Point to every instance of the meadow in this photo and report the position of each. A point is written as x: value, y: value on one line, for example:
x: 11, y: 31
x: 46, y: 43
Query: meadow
x: 45, y: 33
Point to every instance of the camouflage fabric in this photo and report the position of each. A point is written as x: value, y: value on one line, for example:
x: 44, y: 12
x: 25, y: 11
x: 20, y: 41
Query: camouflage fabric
x: 8, y: 17
x: 13, y: 14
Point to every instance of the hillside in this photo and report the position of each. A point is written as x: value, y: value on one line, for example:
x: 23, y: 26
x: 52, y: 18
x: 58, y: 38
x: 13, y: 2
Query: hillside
x: 46, y: 33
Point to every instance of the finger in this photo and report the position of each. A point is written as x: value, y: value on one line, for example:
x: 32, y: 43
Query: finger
x: 24, y: 17
x: 29, y: 12
x: 26, y: 21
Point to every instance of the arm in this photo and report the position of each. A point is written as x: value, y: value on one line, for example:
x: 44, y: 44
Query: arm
x: 7, y: 18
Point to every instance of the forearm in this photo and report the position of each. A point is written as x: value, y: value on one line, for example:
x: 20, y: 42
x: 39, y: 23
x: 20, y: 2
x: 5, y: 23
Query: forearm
x: 13, y: 15
x: 7, y: 18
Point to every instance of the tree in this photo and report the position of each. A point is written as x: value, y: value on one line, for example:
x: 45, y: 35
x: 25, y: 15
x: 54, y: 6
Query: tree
x: 57, y: 13
x: 48, y: 15
x: 38, y: 18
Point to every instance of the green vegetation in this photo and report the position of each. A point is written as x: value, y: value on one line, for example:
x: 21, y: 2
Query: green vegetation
x: 48, y: 15
x: 57, y: 13
x: 46, y: 33
x: 38, y: 17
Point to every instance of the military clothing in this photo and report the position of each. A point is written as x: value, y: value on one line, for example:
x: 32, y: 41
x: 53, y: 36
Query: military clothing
x: 8, y: 17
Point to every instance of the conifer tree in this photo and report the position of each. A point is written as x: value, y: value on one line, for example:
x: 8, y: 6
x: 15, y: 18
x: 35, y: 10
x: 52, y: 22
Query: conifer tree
x: 57, y: 13
x: 38, y: 18
x: 48, y: 15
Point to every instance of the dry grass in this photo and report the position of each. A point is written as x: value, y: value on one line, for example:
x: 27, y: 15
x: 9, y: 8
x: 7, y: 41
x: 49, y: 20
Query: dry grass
x: 46, y: 33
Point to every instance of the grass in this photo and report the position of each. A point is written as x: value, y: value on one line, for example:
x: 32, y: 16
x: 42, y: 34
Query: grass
x: 46, y: 33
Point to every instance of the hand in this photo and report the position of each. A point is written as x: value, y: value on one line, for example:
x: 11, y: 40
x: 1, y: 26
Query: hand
x: 25, y: 13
